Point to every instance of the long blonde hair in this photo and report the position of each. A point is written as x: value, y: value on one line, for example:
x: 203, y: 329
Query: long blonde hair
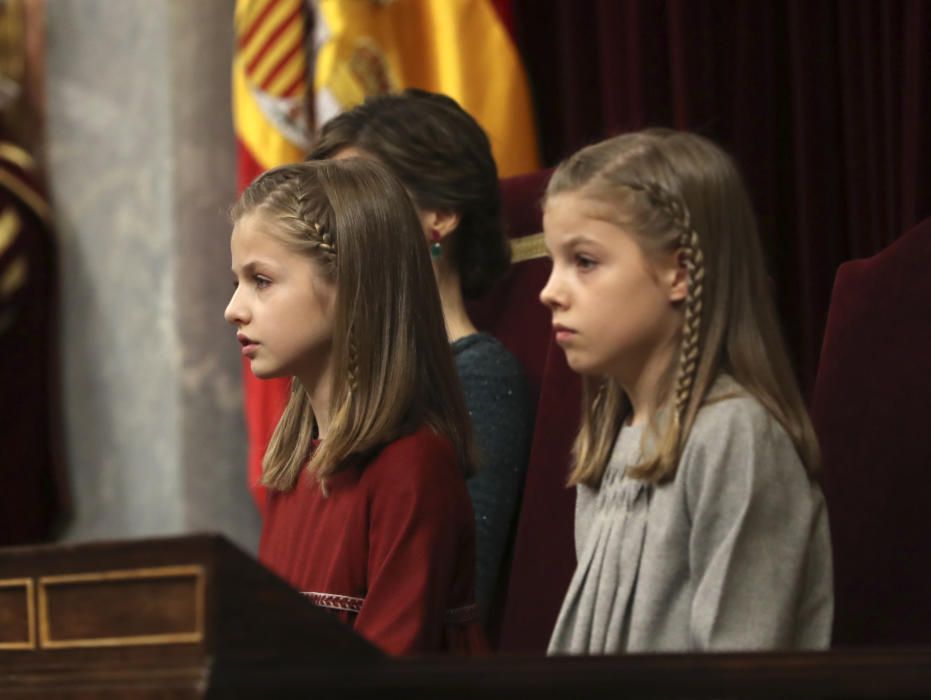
x: 393, y: 367
x: 677, y: 191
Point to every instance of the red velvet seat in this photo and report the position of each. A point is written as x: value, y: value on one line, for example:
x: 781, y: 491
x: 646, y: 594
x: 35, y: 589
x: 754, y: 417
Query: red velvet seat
x: 871, y: 411
x: 543, y: 553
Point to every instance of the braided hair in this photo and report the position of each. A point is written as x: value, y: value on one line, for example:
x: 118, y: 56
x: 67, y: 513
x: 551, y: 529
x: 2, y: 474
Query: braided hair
x: 692, y: 258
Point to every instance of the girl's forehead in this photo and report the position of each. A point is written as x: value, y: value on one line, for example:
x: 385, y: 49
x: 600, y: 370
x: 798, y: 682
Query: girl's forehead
x: 257, y: 235
x: 580, y: 205
x: 253, y: 222
x: 572, y: 211
x: 257, y: 227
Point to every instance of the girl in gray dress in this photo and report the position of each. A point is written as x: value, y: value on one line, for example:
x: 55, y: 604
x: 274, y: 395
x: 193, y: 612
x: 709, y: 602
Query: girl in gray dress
x: 698, y: 523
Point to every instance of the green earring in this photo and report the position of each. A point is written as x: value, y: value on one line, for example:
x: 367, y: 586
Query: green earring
x: 436, y: 249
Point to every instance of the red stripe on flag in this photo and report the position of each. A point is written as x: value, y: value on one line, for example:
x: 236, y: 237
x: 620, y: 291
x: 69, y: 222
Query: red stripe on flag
x: 246, y: 37
x: 298, y: 47
x: 279, y: 30
x: 295, y: 88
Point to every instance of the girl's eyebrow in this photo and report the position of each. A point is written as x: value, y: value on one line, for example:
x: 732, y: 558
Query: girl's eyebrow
x: 574, y: 240
x: 251, y: 266
x: 580, y: 239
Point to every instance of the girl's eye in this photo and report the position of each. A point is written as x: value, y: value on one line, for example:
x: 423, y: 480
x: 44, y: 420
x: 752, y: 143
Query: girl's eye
x: 262, y: 282
x: 235, y: 284
x: 583, y: 262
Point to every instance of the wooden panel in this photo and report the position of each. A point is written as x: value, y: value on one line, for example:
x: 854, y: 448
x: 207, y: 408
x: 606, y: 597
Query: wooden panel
x: 150, y: 606
x: 17, y: 617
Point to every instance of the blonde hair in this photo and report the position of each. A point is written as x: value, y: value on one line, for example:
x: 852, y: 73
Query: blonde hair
x: 676, y: 191
x: 393, y: 367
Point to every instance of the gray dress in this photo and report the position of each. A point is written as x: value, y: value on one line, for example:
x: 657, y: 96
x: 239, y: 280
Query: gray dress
x: 733, y: 554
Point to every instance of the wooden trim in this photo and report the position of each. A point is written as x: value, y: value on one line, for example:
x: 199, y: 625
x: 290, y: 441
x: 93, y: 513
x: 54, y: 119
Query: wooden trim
x: 196, y: 635
x: 527, y: 248
x: 27, y: 584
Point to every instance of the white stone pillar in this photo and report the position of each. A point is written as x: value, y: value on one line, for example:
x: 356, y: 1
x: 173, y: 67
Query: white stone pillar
x: 141, y: 161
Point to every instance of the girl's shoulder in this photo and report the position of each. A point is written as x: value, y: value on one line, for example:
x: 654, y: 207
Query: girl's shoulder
x: 734, y: 431
x: 738, y: 458
x: 420, y: 458
x: 730, y: 407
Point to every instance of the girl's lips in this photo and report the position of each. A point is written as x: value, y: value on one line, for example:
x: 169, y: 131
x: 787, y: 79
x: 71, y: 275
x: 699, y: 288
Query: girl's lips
x: 562, y: 333
x: 249, y: 346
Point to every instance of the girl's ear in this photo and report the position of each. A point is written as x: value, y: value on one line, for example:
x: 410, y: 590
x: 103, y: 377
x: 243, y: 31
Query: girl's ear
x: 444, y: 222
x: 678, y: 277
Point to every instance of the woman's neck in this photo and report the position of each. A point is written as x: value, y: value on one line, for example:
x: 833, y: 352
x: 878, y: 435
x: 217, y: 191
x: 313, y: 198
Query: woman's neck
x: 458, y: 323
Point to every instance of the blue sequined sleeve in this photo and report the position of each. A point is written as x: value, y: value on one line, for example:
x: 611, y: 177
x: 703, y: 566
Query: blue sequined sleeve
x: 500, y: 406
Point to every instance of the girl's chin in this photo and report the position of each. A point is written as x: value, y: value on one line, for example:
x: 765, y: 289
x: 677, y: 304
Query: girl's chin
x: 585, y: 370
x: 579, y: 365
x: 263, y: 372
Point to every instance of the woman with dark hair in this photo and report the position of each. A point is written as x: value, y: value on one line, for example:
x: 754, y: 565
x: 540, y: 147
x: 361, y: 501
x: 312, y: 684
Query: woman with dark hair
x: 444, y: 159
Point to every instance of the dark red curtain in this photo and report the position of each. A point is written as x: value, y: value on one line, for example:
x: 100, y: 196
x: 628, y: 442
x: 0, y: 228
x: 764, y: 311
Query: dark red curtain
x: 824, y: 103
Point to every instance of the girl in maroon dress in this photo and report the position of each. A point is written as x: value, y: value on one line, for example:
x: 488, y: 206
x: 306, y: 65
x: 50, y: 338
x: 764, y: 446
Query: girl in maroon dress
x: 368, y: 512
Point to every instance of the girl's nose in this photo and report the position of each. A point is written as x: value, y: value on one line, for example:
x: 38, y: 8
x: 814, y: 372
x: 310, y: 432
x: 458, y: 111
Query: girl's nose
x: 549, y: 295
x: 235, y: 312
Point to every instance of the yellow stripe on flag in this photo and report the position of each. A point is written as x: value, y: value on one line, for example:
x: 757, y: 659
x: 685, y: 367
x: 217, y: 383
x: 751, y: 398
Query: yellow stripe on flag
x: 290, y: 72
x: 269, y: 24
x: 287, y: 42
x: 260, y: 126
x: 246, y: 12
x: 267, y: 144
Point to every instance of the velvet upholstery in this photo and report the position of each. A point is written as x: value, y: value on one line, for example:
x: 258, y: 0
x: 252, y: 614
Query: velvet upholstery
x: 870, y: 409
x: 543, y: 556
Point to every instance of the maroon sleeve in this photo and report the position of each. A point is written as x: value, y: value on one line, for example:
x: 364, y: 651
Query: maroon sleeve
x: 419, y: 513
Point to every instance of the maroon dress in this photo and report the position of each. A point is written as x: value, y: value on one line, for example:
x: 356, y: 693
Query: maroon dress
x: 390, y: 549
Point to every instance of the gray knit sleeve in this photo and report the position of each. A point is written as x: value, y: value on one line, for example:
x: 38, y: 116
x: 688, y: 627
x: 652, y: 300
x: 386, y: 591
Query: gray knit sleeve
x: 759, y: 550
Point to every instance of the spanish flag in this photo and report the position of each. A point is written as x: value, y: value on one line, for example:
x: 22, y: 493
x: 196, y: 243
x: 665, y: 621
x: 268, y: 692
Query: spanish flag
x: 270, y: 121
x: 462, y: 48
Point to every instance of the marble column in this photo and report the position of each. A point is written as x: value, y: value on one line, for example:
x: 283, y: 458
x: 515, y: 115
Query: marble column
x: 142, y: 171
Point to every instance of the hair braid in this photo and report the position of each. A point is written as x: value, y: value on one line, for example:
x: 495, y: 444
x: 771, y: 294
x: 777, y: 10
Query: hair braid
x: 314, y: 223
x: 352, y: 371
x: 284, y: 188
x: 693, y: 260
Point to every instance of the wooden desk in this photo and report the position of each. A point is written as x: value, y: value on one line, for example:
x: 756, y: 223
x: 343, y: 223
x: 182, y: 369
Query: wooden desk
x: 194, y: 617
